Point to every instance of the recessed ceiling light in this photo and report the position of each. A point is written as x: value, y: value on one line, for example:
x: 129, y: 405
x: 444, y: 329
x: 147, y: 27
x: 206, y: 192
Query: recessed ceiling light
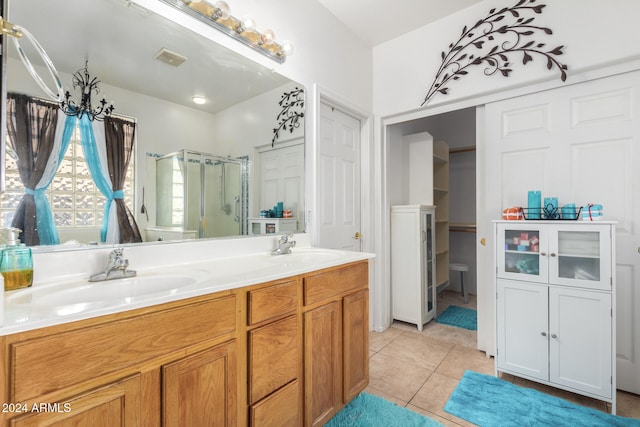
x: 199, y: 99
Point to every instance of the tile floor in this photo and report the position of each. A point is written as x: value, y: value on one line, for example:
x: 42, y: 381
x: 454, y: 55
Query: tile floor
x: 420, y: 370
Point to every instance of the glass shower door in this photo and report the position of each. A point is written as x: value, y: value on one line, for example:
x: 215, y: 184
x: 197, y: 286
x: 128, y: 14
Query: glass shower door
x: 222, y: 198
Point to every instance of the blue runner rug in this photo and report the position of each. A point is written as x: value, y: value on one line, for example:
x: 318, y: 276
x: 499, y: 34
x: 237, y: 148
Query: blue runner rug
x: 489, y: 401
x: 367, y: 410
x: 460, y: 317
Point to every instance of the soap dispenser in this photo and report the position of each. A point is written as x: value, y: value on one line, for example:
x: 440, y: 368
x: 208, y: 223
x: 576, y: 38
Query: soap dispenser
x: 16, y: 263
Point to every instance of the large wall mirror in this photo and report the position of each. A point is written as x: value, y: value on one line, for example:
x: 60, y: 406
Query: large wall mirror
x: 199, y: 171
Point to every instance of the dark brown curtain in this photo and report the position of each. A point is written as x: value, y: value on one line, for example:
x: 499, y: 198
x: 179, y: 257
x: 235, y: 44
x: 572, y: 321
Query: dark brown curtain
x: 31, y: 129
x: 119, y: 138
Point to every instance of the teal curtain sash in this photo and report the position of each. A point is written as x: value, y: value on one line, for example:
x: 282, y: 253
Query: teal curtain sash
x: 103, y: 183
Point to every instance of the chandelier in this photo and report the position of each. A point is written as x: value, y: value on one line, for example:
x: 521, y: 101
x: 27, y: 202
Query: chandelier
x: 86, y: 84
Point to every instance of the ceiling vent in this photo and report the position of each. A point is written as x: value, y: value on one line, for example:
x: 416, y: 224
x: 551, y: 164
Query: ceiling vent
x: 169, y: 57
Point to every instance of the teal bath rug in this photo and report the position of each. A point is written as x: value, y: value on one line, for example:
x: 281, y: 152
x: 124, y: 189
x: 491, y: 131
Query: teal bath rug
x: 367, y: 410
x: 460, y: 317
x: 489, y: 401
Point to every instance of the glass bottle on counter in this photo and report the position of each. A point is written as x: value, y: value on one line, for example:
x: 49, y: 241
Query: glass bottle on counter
x: 16, y: 262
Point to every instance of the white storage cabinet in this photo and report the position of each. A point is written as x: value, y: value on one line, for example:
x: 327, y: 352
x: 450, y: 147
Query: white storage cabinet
x: 413, y: 266
x: 555, y: 316
x: 272, y: 225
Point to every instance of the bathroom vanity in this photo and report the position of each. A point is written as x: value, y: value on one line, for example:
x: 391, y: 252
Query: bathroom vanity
x: 288, y: 350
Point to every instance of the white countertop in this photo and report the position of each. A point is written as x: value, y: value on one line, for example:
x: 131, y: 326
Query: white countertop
x: 73, y: 298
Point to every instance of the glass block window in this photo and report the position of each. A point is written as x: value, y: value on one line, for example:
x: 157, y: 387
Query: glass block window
x: 74, y: 198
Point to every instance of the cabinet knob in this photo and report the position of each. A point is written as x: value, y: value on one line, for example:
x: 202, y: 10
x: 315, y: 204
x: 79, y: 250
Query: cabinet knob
x: 554, y: 336
x: 543, y: 254
x: 544, y: 334
x: 483, y: 242
x: 553, y: 255
x: 357, y: 235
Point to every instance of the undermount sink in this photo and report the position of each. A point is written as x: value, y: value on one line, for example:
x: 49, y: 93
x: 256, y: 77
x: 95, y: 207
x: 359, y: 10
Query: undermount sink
x: 97, y: 293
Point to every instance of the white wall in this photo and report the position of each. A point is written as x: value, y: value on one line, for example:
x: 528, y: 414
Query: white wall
x: 594, y: 33
x: 247, y: 125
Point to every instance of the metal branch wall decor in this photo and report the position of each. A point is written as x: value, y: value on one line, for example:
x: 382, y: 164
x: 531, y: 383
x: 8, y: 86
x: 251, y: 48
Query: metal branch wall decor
x: 479, y: 44
x: 292, y: 104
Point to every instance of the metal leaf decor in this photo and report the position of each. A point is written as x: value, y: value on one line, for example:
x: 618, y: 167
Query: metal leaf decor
x: 479, y: 44
x: 289, y: 117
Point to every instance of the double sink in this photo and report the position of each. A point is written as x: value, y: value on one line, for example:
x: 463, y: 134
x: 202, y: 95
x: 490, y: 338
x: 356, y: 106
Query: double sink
x: 160, y: 285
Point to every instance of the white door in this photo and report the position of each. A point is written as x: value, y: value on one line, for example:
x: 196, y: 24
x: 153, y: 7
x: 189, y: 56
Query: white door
x: 281, y: 177
x: 580, y: 340
x: 580, y: 143
x: 522, y: 327
x: 338, y: 180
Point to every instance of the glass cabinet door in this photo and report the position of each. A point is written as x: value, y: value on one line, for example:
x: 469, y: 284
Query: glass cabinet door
x: 522, y: 252
x: 428, y: 240
x: 577, y: 256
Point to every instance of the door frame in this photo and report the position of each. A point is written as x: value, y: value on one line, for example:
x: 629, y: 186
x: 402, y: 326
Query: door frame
x: 367, y: 202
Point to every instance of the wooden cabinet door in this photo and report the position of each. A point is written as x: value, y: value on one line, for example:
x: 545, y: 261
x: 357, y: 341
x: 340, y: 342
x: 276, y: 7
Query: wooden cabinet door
x: 522, y: 328
x: 580, y: 327
x: 201, y: 390
x: 117, y: 404
x: 355, y: 322
x: 322, y: 362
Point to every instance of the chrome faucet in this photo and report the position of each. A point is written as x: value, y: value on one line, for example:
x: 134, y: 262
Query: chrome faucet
x: 116, y: 267
x: 285, y: 243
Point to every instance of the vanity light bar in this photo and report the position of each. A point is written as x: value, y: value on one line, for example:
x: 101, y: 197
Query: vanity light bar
x: 233, y: 27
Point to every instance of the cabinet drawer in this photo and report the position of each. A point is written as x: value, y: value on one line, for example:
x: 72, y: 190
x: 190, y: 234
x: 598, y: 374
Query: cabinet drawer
x: 273, y: 357
x: 43, y: 365
x: 273, y: 301
x: 281, y: 409
x: 327, y: 284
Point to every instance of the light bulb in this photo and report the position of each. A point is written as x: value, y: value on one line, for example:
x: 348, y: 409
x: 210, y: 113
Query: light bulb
x: 268, y: 36
x: 223, y: 9
x: 287, y: 48
x: 248, y: 23
x: 199, y: 99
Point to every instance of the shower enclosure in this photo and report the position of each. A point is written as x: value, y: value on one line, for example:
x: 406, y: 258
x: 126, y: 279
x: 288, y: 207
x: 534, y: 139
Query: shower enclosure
x: 202, y: 192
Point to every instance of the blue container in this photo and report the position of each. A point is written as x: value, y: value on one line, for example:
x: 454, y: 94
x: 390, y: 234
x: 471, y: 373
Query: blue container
x: 534, y: 204
x: 568, y: 211
x: 550, y: 208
